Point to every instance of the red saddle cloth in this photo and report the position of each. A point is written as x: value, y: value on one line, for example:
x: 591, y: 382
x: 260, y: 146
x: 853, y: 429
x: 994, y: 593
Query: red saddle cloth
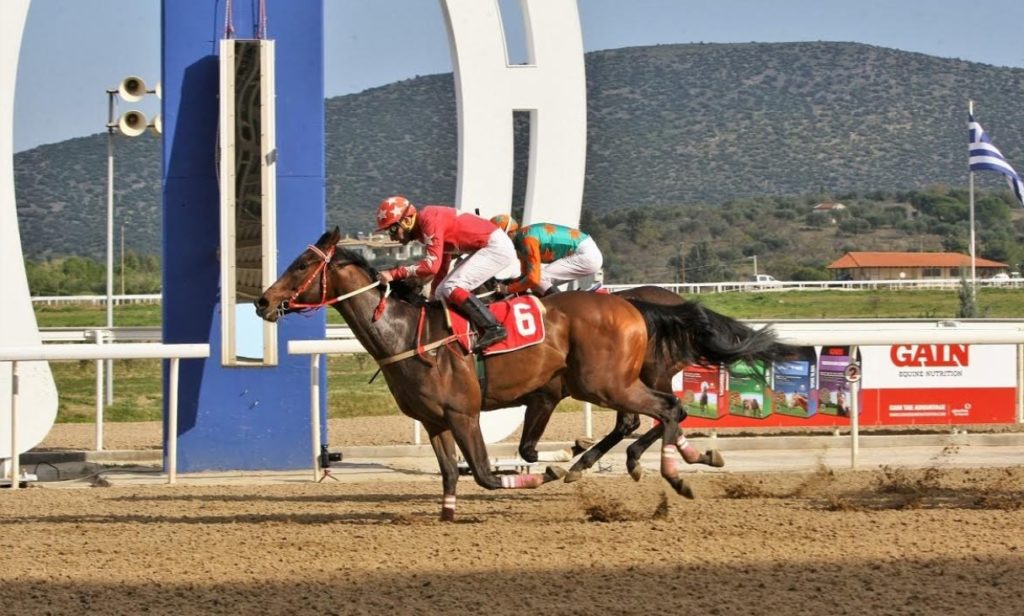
x: 523, y: 318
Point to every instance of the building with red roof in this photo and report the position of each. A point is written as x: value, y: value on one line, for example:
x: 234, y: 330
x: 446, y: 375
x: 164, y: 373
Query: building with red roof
x: 910, y: 266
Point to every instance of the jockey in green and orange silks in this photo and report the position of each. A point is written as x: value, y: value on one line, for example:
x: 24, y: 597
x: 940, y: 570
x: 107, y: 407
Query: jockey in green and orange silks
x: 550, y: 254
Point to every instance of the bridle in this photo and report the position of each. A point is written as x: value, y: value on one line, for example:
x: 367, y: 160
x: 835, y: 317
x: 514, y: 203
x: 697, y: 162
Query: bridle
x: 321, y: 271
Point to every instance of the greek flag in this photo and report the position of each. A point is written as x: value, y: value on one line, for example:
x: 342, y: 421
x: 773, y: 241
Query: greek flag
x: 984, y: 156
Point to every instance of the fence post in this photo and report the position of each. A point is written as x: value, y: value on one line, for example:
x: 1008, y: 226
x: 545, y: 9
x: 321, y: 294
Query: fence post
x: 1020, y: 383
x: 314, y: 411
x: 100, y: 366
x: 15, y: 461
x: 854, y: 410
x: 172, y: 422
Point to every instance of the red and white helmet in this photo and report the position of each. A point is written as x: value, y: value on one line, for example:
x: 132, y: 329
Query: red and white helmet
x: 506, y: 223
x: 392, y: 210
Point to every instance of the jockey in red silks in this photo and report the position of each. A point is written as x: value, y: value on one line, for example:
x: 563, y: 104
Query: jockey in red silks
x: 446, y: 234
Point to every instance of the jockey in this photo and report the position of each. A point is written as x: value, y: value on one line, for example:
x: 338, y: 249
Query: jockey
x: 506, y: 223
x: 550, y: 254
x: 446, y: 234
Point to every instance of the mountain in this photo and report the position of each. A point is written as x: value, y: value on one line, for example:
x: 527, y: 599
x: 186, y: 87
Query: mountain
x: 669, y: 125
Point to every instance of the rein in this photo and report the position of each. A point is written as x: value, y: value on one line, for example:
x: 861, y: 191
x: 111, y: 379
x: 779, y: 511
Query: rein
x: 321, y: 271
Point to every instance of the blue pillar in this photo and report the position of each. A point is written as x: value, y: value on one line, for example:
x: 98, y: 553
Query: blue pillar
x: 246, y: 418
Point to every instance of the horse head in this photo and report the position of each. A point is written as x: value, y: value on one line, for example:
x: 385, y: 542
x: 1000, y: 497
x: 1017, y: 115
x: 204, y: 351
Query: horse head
x: 304, y: 284
x: 323, y: 275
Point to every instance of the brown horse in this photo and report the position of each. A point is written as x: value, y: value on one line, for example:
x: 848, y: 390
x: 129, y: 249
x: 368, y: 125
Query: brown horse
x: 595, y: 345
x: 706, y: 338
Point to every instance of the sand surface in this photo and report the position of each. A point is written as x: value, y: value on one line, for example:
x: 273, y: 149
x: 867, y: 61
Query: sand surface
x: 881, y: 541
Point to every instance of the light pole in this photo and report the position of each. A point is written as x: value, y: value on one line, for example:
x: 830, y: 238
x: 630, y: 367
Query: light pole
x: 122, y: 260
x: 130, y: 124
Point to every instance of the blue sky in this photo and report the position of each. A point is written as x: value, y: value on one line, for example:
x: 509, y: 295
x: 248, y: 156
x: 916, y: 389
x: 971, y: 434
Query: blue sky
x: 73, y: 50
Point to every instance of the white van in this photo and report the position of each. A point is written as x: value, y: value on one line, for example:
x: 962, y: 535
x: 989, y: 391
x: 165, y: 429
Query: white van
x: 765, y: 279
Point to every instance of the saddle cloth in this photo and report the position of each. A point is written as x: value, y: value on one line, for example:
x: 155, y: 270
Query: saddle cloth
x: 523, y: 318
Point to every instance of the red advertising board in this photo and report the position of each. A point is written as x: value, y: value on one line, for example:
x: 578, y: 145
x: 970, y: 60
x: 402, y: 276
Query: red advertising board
x: 939, y: 384
x: 902, y: 385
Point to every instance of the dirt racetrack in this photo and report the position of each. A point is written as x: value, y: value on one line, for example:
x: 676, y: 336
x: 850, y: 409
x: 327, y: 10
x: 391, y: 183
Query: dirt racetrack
x: 882, y: 541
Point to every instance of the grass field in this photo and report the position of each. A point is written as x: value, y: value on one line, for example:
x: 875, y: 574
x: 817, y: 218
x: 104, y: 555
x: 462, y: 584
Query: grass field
x: 137, y: 395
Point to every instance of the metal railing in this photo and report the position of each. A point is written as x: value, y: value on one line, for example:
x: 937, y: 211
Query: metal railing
x: 831, y: 333
x: 818, y: 285
x: 140, y: 298
x: 683, y: 288
x: 100, y: 352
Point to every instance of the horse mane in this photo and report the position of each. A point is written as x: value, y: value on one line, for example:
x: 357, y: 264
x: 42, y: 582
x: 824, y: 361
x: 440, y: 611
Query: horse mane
x: 407, y: 289
x: 693, y: 334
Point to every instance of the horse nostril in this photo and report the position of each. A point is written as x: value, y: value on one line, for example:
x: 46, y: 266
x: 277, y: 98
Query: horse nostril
x: 262, y: 302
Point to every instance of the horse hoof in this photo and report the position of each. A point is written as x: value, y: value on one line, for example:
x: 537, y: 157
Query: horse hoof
x: 447, y: 515
x: 581, y: 445
x: 573, y: 476
x: 635, y: 470
x: 529, y: 455
x: 715, y: 459
x: 552, y: 473
x: 684, y: 490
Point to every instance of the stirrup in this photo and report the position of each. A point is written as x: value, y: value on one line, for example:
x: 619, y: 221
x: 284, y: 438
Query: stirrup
x: 488, y: 337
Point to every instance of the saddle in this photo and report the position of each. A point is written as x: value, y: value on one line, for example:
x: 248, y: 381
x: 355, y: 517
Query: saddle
x: 522, y: 316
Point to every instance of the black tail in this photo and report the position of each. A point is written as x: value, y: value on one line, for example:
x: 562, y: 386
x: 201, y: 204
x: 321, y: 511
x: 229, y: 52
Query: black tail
x: 693, y: 334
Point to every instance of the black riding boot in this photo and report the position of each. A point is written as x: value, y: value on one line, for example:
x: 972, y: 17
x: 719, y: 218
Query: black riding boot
x: 551, y: 291
x: 489, y: 330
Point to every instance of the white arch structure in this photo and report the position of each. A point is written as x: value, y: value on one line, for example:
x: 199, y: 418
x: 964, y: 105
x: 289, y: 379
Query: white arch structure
x: 551, y: 86
x: 18, y: 327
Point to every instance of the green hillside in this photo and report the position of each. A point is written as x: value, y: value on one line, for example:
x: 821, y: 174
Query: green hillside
x: 679, y: 137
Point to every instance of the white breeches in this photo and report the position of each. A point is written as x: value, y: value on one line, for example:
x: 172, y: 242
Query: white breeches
x: 585, y: 261
x: 480, y: 266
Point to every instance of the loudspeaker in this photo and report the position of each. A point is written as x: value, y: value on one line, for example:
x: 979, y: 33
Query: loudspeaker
x: 157, y: 125
x: 132, y: 89
x: 132, y: 123
x: 159, y: 89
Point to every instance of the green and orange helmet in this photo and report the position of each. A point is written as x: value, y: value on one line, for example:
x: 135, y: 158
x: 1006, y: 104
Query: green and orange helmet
x: 506, y: 223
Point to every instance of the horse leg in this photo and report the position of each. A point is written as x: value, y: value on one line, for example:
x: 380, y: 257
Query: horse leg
x: 444, y: 448
x: 665, y: 407
x: 625, y: 424
x: 711, y: 457
x: 539, y: 407
x: 670, y: 436
x: 637, y: 449
x: 466, y: 430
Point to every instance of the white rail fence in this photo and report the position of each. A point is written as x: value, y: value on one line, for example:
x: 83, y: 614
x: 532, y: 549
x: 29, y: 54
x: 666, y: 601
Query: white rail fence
x: 69, y: 352
x: 803, y: 333
x: 831, y: 333
x: 678, y: 287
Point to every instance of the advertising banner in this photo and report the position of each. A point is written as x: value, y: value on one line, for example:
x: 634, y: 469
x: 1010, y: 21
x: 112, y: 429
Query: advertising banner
x: 833, y: 390
x: 795, y: 385
x: 938, y: 384
x: 702, y: 391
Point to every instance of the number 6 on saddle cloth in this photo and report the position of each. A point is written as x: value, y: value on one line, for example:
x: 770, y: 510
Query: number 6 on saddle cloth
x: 522, y: 316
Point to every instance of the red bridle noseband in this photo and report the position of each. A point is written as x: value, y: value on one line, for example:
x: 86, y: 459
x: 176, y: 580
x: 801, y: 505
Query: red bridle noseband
x: 320, y: 270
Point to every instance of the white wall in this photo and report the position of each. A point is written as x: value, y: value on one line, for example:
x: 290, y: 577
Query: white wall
x: 551, y: 86
x: 37, y: 406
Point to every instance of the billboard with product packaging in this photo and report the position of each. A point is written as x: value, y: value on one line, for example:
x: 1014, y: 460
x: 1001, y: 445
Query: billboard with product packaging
x: 944, y: 384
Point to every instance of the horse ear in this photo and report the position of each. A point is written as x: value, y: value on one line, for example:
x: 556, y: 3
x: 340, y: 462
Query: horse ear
x: 335, y: 235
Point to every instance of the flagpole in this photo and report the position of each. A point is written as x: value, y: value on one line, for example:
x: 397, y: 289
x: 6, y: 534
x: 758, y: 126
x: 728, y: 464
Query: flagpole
x: 970, y: 183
